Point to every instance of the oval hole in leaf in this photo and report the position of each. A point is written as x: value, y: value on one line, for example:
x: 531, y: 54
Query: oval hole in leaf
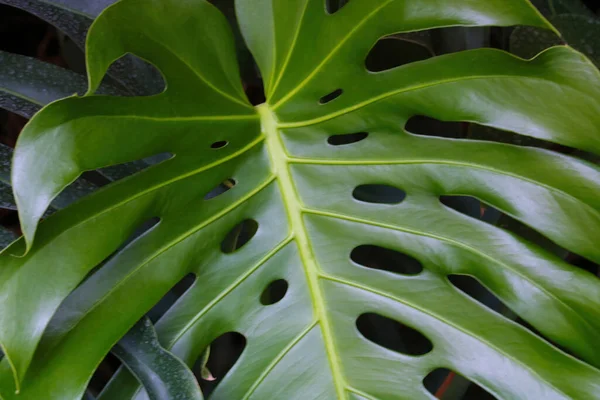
x: 421, y: 125
x: 225, y: 351
x: 348, y: 138
x: 223, y: 187
x: 426, y: 126
x: 393, y: 335
x: 438, y: 382
x: 274, y: 292
x: 466, y: 205
x: 331, y: 96
x: 375, y: 257
x: 219, y: 145
x: 379, y: 194
x: 334, y: 6
x: 239, y: 236
x: 391, y: 52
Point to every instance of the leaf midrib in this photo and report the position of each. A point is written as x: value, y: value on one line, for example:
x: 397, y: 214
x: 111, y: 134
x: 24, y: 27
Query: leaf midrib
x: 293, y: 208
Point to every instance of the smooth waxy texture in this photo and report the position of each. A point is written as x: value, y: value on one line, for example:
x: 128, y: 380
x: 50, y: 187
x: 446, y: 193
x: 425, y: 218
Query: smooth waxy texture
x: 163, y: 375
x: 299, y: 191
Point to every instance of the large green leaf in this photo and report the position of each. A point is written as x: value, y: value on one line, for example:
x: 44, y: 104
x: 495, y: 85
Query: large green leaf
x: 57, y: 323
x: 163, y: 375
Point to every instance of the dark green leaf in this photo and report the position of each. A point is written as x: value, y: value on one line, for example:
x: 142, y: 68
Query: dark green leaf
x: 6, y: 154
x: 581, y: 32
x: 6, y: 197
x: 89, y: 8
x: 163, y: 375
x: 6, y: 238
x: 74, y: 18
x: 37, y: 83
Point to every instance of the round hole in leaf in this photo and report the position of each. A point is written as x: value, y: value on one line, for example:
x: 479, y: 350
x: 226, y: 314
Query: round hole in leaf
x: 379, y: 194
x: 348, y: 138
x: 219, y: 145
x: 393, y: 335
x: 331, y: 96
x: 239, y: 236
x: 375, y: 257
x: 274, y: 292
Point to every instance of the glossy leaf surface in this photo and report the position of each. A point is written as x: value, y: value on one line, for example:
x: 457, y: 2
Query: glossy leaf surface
x: 163, y: 375
x: 300, y: 194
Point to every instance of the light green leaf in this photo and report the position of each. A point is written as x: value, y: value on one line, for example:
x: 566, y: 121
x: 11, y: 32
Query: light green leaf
x: 301, y: 194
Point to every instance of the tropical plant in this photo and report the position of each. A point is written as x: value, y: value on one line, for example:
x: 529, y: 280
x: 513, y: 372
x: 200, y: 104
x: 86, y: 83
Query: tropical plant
x: 273, y: 207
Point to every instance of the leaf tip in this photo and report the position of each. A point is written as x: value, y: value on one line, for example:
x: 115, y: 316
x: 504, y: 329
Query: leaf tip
x: 13, y: 369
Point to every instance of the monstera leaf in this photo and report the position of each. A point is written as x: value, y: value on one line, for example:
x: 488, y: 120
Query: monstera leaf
x: 301, y: 177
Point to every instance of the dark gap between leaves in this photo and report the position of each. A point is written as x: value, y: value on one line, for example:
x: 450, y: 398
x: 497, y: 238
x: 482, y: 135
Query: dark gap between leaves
x: 474, y: 289
x: 393, y: 335
x: 421, y: 125
x: 395, y: 51
x: 142, y: 229
x: 169, y: 299
x: 104, y: 372
x: 472, y: 207
x: 121, y: 171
